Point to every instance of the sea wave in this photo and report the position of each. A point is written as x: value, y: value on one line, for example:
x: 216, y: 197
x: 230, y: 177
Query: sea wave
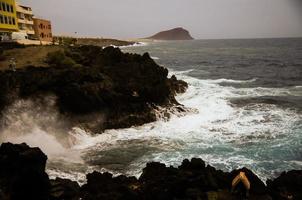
x: 232, y: 81
x: 155, y: 58
x: 136, y: 44
x: 225, y: 136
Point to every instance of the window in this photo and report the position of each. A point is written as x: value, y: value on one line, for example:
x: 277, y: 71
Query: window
x: 0, y: 6
x: 10, y: 20
x: 5, y: 20
x: 1, y: 19
x: 3, y: 7
x: 12, y: 9
x: 7, y: 8
x: 50, y: 35
x: 14, y: 21
x: 49, y: 26
x: 22, y: 27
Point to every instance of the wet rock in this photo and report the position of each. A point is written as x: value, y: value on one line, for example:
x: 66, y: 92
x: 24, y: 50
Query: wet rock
x: 22, y: 173
x: 178, y: 86
x: 64, y: 189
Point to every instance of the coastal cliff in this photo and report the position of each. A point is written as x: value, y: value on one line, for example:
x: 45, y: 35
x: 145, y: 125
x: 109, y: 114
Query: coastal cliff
x: 173, y: 34
x: 22, y: 176
x: 125, y: 89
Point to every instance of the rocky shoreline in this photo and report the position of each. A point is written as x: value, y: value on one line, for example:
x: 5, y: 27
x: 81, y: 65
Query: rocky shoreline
x: 122, y: 89
x: 102, y: 89
x: 22, y: 176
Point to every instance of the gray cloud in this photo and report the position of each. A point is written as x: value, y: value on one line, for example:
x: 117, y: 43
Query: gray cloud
x: 203, y: 18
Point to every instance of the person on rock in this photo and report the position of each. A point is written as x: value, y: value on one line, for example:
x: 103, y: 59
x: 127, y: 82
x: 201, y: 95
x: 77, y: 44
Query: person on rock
x: 12, y: 64
x: 241, y: 185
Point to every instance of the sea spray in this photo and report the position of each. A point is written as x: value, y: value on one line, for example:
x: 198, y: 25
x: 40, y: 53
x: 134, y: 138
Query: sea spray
x: 38, y: 123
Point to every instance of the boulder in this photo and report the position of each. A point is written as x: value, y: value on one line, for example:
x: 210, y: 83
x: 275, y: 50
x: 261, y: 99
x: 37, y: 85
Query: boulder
x: 257, y: 186
x: 105, y: 186
x: 22, y: 173
x: 64, y: 189
x: 287, y: 186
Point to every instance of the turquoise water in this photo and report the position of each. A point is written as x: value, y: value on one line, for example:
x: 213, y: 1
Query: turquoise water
x: 249, y: 97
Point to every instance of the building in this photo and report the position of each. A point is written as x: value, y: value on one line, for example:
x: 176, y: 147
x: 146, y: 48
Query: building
x: 25, y: 20
x: 43, y: 29
x: 8, y: 18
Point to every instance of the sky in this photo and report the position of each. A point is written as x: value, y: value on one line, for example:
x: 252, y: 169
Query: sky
x: 204, y: 19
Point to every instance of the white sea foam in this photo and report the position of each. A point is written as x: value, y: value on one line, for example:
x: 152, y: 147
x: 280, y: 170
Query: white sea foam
x: 155, y: 58
x: 218, y: 132
x: 136, y: 44
x: 232, y: 81
x: 223, y: 135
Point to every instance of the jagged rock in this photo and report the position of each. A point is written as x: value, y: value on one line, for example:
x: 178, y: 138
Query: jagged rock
x: 179, y: 86
x: 257, y: 186
x: 124, y: 87
x: 104, y: 186
x: 287, y: 186
x: 22, y: 173
x: 64, y: 189
x: 22, y: 176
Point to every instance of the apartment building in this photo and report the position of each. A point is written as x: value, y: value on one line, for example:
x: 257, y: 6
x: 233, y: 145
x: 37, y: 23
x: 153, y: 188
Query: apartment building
x: 17, y: 22
x: 8, y: 18
x: 43, y: 30
x: 25, y: 20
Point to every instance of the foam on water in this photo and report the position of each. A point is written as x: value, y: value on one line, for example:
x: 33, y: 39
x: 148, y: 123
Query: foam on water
x: 263, y: 137
x: 225, y: 136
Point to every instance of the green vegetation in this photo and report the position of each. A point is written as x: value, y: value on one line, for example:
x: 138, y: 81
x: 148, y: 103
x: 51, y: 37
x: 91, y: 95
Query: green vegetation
x: 62, y: 58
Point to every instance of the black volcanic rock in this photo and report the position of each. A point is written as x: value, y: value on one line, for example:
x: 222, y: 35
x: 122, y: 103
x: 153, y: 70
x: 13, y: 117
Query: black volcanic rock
x: 287, y: 186
x: 173, y: 34
x: 64, y: 189
x: 22, y: 176
x: 105, y: 186
x: 257, y: 186
x: 125, y: 88
x: 22, y: 173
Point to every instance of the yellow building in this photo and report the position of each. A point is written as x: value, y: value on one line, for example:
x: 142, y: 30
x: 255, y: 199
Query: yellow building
x: 8, y: 18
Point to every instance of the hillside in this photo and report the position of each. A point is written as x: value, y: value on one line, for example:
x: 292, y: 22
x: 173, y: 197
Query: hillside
x: 173, y: 34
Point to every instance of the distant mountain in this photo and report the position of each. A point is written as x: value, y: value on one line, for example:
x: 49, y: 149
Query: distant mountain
x: 173, y: 34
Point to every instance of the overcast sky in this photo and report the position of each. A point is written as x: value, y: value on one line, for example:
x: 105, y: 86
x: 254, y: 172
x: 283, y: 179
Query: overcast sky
x: 203, y: 18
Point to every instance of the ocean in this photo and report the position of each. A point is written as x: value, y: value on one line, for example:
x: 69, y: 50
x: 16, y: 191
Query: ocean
x: 246, y: 102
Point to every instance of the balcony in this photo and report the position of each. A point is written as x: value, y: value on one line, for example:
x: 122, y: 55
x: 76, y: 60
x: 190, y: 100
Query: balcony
x: 26, y: 11
x: 25, y: 21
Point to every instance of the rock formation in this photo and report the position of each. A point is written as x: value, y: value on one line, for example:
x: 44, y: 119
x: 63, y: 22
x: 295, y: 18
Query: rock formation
x: 22, y: 173
x: 173, y: 34
x: 22, y: 176
x: 124, y: 87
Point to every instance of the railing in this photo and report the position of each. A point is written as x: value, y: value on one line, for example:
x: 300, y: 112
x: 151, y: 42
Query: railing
x: 20, y: 10
x: 25, y: 21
